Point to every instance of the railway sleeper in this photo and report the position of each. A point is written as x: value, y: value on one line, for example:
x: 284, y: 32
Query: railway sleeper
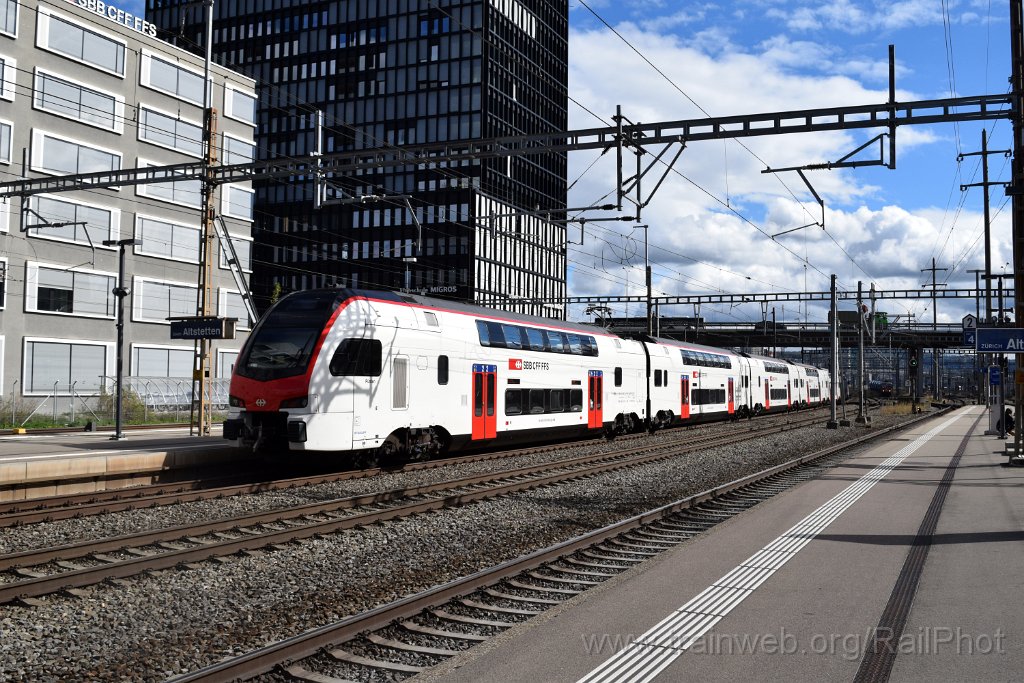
x: 495, y: 593
x: 476, y: 604
x: 653, y: 535
x: 581, y: 572
x: 647, y: 537
x: 303, y: 674
x: 409, y: 647
x: 352, y: 658
x: 617, y: 568
x: 542, y: 589
x: 619, y: 556
x: 413, y: 627
x: 556, y: 579
x: 463, y: 619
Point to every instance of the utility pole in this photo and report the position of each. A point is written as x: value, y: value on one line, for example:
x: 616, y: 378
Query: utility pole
x: 862, y: 416
x: 833, y: 358
x: 202, y: 403
x: 984, y: 184
x: 935, y: 327
x: 978, y: 364
x: 1017, y: 186
x: 120, y: 291
x: 647, y: 276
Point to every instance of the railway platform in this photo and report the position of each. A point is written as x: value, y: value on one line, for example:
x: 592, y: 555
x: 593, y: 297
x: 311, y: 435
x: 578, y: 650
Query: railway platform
x: 903, y: 563
x: 64, y: 463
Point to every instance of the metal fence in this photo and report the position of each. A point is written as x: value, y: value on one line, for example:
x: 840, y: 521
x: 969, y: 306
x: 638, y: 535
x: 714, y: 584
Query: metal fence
x: 155, y: 395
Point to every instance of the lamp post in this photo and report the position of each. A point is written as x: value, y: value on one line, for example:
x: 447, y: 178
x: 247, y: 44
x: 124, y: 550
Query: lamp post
x: 120, y: 292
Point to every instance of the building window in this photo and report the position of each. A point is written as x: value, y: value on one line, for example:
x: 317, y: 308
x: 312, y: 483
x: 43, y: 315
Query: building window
x: 8, y: 76
x: 65, y: 98
x: 226, y: 362
x: 166, y: 130
x: 53, y: 289
x: 59, y: 156
x: 157, y: 361
x: 172, y: 79
x: 155, y: 301
x: 243, y: 250
x: 9, y: 17
x: 231, y: 305
x: 3, y: 285
x: 58, y: 364
x: 66, y: 37
x: 237, y: 202
x: 182, y: 192
x: 239, y: 105
x: 65, y: 220
x: 6, y: 128
x: 165, y: 239
x: 237, y: 151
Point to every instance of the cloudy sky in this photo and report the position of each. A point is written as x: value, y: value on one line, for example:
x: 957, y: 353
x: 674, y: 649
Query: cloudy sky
x: 711, y: 222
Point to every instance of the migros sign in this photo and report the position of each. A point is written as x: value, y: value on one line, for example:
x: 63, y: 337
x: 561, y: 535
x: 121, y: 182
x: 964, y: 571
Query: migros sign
x: 117, y: 15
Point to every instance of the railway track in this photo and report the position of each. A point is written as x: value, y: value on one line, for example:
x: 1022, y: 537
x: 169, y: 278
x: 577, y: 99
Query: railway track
x: 53, y: 508
x: 34, y: 573
x: 405, y: 637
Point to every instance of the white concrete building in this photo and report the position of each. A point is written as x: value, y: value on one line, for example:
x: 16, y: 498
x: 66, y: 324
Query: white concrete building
x: 86, y: 87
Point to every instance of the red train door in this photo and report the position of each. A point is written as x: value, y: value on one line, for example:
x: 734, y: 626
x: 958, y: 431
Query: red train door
x: 767, y: 393
x: 485, y: 419
x: 789, y: 394
x: 732, y: 396
x: 595, y: 393
x: 684, y: 408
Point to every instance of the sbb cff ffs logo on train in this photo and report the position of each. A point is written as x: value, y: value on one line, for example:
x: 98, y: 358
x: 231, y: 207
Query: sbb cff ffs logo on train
x: 520, y: 364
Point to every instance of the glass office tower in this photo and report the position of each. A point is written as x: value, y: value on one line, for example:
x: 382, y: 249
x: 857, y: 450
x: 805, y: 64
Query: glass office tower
x: 399, y: 73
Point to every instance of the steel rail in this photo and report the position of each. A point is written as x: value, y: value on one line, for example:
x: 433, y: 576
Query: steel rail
x: 543, y: 475
x: 303, y: 645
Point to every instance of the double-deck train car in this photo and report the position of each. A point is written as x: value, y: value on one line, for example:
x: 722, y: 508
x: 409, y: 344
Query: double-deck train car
x: 399, y: 374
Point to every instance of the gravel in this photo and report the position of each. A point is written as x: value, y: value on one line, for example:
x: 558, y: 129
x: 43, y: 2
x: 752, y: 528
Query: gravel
x: 155, y: 626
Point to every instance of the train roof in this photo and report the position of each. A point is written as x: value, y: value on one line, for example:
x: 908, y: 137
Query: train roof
x: 462, y: 308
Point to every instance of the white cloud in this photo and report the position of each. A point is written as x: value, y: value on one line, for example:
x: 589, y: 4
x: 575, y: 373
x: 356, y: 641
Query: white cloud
x: 699, y: 244
x: 852, y: 17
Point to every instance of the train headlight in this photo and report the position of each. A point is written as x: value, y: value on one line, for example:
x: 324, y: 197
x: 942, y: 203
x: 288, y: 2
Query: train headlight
x: 235, y: 402
x: 297, y: 402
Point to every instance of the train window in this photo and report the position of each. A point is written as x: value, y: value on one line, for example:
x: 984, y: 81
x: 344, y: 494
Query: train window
x: 513, y: 402
x: 575, y: 347
x: 496, y: 335
x: 357, y: 358
x: 536, y: 401
x: 513, y: 336
x: 442, y: 369
x: 618, y: 377
x: 589, y: 345
x: 576, y: 400
x: 478, y: 394
x: 481, y: 330
x: 490, y: 393
x: 556, y: 401
x: 556, y: 341
x: 538, y: 340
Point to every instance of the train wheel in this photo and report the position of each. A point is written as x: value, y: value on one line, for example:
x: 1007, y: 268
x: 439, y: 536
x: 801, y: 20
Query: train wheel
x: 392, y: 453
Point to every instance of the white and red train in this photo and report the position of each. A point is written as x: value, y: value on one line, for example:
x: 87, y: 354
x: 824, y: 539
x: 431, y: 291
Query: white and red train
x: 349, y: 371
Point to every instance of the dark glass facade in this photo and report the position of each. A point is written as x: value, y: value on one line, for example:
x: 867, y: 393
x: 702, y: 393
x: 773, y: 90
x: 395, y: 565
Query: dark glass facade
x: 392, y: 73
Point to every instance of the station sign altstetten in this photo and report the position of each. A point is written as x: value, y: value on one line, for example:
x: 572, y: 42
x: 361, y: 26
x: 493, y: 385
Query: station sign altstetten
x: 1000, y: 339
x: 203, y: 328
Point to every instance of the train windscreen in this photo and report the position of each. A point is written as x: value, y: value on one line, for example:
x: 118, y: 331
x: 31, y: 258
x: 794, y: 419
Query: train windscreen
x: 283, y: 342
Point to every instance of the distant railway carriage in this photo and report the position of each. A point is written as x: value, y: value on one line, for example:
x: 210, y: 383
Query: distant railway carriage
x: 346, y: 370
